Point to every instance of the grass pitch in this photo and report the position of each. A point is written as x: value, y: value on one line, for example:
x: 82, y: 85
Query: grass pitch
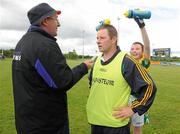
x: 164, y: 113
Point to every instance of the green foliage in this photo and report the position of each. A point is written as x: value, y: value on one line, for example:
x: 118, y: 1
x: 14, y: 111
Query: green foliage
x: 164, y: 113
x: 8, y: 53
x: 71, y: 55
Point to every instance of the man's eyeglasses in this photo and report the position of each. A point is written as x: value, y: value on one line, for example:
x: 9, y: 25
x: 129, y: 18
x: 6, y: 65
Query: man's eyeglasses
x: 56, y: 19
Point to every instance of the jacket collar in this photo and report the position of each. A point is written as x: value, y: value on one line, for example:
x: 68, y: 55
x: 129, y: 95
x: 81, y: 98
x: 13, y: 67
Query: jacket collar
x: 34, y: 28
x: 114, y: 55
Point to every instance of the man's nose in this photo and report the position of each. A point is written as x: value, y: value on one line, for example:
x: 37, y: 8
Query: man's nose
x: 58, y: 23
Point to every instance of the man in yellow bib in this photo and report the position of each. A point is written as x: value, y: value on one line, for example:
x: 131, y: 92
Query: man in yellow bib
x: 112, y: 78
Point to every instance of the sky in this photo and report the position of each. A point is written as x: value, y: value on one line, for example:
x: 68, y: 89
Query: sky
x: 79, y: 19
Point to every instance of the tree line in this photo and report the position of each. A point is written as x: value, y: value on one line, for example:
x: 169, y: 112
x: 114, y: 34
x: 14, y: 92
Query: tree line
x: 69, y: 55
x: 74, y: 55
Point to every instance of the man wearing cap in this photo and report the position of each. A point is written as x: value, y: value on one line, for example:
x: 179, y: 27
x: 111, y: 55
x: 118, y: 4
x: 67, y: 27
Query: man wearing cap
x: 41, y: 76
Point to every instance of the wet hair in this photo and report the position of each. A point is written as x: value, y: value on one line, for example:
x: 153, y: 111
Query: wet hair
x: 111, y: 31
x: 142, y: 46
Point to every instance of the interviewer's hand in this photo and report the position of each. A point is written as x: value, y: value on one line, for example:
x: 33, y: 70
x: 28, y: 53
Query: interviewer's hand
x: 123, y: 112
x: 140, y: 22
x: 89, y: 63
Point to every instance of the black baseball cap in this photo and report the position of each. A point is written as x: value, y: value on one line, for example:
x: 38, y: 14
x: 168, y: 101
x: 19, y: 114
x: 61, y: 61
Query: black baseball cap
x: 40, y: 12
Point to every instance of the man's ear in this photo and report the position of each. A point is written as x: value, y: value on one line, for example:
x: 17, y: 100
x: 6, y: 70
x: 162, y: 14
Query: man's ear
x: 114, y: 40
x: 44, y: 22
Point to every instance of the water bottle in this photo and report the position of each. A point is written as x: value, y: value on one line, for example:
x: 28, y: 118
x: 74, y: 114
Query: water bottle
x: 141, y: 14
x: 103, y: 22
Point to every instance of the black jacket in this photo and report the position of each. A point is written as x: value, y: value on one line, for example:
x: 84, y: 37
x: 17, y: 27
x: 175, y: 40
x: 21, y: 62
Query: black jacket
x: 41, y: 78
